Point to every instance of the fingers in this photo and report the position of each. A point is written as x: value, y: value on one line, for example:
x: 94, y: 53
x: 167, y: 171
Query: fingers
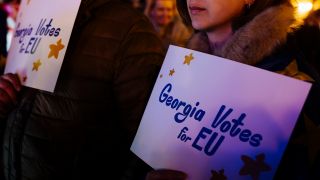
x: 8, y: 86
x: 14, y: 79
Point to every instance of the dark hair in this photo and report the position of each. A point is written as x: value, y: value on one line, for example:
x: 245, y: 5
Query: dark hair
x: 249, y: 13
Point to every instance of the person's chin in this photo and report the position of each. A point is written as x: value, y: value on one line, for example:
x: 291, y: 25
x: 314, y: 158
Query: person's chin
x: 198, y: 26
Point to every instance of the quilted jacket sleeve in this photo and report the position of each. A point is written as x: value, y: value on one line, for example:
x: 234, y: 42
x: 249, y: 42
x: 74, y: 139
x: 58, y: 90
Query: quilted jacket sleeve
x: 137, y: 67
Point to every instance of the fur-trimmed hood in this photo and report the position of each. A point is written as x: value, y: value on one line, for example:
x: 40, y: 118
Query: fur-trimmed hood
x: 255, y: 40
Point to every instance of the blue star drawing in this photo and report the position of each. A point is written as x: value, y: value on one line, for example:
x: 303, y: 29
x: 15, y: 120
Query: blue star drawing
x: 254, y: 167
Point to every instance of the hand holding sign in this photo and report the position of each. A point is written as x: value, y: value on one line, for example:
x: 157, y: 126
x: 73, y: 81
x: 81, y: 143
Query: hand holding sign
x: 40, y: 41
x: 9, y: 88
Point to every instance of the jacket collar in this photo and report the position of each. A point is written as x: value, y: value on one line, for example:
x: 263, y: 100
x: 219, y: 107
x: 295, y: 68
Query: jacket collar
x: 255, y: 40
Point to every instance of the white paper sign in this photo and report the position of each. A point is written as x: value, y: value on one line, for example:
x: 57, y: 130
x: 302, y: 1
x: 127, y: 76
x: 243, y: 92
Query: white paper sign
x: 40, y: 41
x: 215, y: 118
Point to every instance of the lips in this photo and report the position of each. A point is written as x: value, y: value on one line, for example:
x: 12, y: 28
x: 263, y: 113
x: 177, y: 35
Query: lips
x: 196, y: 10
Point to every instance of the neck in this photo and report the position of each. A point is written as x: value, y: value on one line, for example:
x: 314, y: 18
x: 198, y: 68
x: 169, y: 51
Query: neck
x: 219, y: 35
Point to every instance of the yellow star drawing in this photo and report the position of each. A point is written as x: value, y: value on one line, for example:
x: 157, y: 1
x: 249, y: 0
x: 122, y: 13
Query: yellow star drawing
x: 55, y: 48
x: 188, y: 59
x: 28, y: 2
x: 171, y: 72
x: 36, y: 65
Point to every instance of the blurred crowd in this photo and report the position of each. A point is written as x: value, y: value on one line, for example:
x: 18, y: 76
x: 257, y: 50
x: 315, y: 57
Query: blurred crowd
x: 167, y: 22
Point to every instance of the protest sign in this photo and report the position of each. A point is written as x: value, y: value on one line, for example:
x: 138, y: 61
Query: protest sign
x: 40, y: 41
x: 215, y: 118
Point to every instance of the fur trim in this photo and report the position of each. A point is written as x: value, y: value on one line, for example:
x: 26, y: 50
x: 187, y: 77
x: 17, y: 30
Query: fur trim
x: 255, y: 40
x: 199, y: 42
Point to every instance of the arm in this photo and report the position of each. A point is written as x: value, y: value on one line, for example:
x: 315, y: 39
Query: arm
x: 9, y: 88
x: 139, y: 59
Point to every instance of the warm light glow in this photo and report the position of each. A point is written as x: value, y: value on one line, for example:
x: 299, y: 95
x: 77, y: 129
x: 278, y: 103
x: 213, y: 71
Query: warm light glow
x: 304, y: 7
x: 316, y: 5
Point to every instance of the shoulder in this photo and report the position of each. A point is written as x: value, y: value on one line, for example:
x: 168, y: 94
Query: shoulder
x: 121, y: 13
x: 120, y: 21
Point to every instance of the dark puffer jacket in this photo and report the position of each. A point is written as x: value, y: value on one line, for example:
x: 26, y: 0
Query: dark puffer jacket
x: 85, y: 128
